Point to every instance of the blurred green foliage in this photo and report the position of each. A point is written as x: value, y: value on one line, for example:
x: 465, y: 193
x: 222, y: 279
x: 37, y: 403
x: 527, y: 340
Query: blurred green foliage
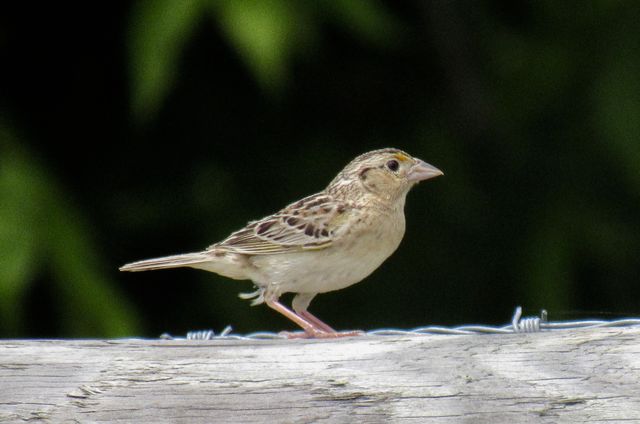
x: 266, y: 34
x: 42, y: 232
x: 157, y: 127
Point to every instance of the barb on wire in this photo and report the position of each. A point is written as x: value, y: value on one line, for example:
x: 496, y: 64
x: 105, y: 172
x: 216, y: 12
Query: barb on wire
x: 518, y: 324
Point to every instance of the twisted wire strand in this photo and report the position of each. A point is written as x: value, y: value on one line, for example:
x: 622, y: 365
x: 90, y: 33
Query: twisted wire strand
x: 519, y: 324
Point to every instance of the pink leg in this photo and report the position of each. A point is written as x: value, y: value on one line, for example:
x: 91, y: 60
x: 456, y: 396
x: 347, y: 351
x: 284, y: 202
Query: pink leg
x: 316, y: 321
x: 311, y: 329
x: 330, y: 332
x: 306, y: 325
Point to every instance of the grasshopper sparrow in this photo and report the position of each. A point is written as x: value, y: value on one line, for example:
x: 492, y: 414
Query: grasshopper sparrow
x: 324, y: 242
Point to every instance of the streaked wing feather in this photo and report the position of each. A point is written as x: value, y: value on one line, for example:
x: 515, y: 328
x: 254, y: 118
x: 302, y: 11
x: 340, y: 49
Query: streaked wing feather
x: 308, y: 224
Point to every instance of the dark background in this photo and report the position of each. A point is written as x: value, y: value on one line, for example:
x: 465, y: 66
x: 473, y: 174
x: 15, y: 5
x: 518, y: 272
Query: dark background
x: 140, y: 129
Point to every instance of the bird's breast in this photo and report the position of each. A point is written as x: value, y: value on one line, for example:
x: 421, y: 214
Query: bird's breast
x: 354, y: 254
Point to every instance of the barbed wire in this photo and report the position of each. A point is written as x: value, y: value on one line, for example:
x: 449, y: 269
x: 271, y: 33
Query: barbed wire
x: 519, y: 324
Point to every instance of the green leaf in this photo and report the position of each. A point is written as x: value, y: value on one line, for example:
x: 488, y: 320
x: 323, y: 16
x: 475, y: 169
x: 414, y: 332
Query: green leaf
x: 41, y: 229
x: 366, y: 19
x: 89, y: 302
x: 265, y: 34
x: 159, y: 30
x: 19, y: 244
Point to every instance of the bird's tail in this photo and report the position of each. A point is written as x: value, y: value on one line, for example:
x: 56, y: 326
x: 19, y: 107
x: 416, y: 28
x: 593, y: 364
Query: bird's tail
x: 175, y: 261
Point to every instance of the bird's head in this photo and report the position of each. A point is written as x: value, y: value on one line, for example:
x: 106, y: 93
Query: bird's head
x: 385, y: 173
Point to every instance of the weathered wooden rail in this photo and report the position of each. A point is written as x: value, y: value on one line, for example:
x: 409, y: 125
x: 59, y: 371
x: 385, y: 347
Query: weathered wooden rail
x: 585, y: 375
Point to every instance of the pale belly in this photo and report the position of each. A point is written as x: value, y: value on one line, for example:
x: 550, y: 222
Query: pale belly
x: 341, y: 265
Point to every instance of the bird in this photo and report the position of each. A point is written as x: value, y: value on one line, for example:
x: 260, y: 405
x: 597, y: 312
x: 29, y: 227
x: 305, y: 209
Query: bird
x: 324, y: 242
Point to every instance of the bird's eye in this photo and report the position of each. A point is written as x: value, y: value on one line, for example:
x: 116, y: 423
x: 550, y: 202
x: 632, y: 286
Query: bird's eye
x: 393, y: 165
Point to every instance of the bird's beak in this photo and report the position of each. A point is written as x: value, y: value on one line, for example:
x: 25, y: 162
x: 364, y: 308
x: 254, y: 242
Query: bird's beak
x: 423, y: 171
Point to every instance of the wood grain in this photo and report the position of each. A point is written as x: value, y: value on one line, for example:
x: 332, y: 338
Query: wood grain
x: 570, y: 376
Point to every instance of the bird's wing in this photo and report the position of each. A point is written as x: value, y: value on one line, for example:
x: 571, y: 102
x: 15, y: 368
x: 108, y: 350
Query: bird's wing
x: 308, y: 224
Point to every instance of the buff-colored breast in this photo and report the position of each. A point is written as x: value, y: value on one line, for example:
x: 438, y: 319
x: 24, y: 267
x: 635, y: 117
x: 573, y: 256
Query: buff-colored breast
x: 352, y: 257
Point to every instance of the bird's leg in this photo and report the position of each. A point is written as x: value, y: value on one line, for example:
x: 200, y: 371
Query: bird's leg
x: 308, y: 327
x: 315, y: 321
x: 311, y: 330
x: 300, y: 304
x: 327, y: 332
